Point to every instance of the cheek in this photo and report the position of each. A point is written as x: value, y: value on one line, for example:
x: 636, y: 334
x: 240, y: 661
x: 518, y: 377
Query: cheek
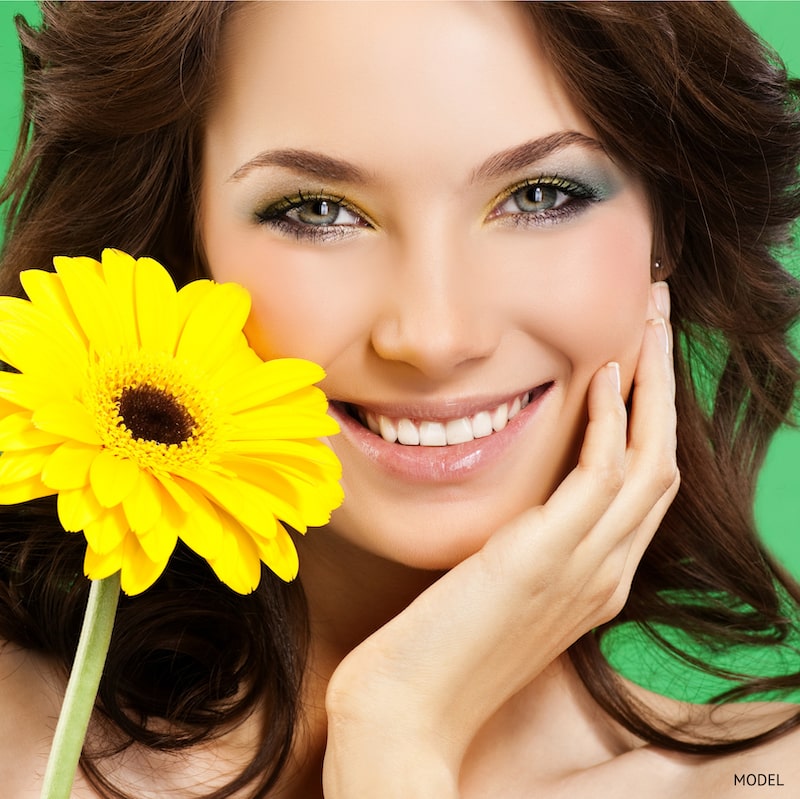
x: 300, y: 307
x: 589, y: 293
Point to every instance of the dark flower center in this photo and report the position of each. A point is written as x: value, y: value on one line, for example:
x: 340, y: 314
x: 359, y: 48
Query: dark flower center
x: 152, y: 414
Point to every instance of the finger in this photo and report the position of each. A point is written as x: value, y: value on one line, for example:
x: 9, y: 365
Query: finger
x: 586, y: 492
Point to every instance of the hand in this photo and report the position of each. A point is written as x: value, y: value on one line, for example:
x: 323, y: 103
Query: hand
x: 405, y: 704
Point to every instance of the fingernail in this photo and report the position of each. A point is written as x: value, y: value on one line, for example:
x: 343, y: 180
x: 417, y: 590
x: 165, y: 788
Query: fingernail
x: 661, y: 297
x: 660, y: 326
x: 612, y: 370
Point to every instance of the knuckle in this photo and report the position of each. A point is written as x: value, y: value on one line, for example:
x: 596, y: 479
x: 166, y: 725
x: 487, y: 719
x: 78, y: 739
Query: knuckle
x: 665, y: 474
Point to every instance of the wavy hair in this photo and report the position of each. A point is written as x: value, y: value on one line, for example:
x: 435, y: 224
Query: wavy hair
x: 683, y: 95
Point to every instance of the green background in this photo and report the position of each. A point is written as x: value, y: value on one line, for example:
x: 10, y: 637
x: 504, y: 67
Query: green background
x: 778, y: 499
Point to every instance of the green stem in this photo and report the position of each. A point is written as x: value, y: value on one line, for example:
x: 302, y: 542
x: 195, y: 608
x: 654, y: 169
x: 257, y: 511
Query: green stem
x: 81, y: 693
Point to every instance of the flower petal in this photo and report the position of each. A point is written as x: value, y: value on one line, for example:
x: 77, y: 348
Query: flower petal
x: 98, y: 566
x: 238, y: 564
x: 214, y: 325
x: 106, y: 532
x: 156, y: 306
x: 143, y: 504
x: 279, y: 554
x: 112, y: 478
x: 139, y: 572
x: 23, y: 491
x: 18, y: 466
x: 29, y: 392
x: 77, y: 508
x: 17, y: 432
x: 68, y: 467
x: 201, y: 530
x: 46, y: 292
x: 91, y: 300
x: 118, y: 269
x: 159, y: 541
x: 268, y: 381
x: 69, y: 419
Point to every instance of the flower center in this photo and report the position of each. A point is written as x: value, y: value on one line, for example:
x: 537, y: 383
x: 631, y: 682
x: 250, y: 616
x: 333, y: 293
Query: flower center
x: 147, y: 407
x: 152, y: 414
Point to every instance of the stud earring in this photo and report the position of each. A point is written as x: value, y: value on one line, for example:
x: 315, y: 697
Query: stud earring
x: 657, y: 263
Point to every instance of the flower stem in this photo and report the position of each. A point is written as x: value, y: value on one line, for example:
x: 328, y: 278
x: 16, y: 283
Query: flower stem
x: 84, y: 681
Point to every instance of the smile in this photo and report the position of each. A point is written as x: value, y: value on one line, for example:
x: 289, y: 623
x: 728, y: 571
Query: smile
x: 444, y: 432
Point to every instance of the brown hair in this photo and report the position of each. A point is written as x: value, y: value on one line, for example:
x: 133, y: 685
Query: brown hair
x: 683, y: 94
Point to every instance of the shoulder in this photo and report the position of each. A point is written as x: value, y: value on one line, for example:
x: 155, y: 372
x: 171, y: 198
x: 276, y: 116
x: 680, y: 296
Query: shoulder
x: 29, y: 704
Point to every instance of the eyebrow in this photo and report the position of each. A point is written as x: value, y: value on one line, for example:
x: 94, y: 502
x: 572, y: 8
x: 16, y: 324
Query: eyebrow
x: 337, y: 169
x: 304, y: 161
x: 530, y: 152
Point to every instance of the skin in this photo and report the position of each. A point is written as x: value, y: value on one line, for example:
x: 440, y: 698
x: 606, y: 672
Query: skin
x: 441, y: 610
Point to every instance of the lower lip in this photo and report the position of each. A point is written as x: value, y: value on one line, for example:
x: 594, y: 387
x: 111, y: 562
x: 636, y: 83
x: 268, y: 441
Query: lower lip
x: 447, y: 464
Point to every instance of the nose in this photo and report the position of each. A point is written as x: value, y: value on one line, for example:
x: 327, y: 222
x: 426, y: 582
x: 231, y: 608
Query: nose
x: 437, y: 315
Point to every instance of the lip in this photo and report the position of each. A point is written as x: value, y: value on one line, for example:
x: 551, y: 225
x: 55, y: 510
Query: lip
x: 448, y: 464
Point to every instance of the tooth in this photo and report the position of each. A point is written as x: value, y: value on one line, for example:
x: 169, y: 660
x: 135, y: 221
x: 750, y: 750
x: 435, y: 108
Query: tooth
x: 514, y: 409
x: 372, y: 423
x: 387, y: 428
x: 459, y: 431
x: 500, y: 417
x: 526, y: 398
x: 407, y: 432
x: 432, y: 434
x: 482, y: 424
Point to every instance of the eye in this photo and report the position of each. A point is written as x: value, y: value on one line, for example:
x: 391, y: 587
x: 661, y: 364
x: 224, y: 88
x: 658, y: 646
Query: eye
x: 544, y: 201
x: 322, y: 211
x: 317, y: 218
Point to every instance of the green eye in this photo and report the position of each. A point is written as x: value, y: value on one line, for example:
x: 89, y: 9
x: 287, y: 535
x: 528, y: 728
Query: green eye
x: 538, y: 198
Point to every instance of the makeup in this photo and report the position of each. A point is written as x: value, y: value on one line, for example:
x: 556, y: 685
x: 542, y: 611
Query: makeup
x: 484, y: 433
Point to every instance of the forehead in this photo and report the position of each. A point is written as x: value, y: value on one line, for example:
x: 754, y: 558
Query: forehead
x: 380, y: 78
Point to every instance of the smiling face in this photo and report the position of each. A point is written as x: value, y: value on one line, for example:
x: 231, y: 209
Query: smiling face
x: 415, y: 204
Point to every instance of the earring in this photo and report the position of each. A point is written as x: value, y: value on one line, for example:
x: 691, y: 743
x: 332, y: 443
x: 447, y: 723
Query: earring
x: 657, y: 263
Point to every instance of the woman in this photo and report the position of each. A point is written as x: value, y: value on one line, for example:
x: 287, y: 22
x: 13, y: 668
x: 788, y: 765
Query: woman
x: 466, y: 213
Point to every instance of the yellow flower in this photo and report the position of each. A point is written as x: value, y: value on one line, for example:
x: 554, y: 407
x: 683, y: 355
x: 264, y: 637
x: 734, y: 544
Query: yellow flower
x: 147, y: 412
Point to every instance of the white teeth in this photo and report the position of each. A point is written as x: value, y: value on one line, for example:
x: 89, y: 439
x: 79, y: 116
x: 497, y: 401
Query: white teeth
x: 482, y: 424
x: 432, y: 434
x: 500, y: 417
x: 439, y: 434
x: 459, y: 431
x: 388, y: 430
x: 407, y: 432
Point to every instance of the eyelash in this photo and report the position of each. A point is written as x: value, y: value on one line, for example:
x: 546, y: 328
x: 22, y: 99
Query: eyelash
x: 571, y: 199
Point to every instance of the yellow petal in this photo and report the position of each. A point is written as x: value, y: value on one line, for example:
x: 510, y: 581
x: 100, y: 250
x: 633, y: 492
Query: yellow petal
x: 17, y: 432
x: 106, y: 532
x: 77, y: 508
x: 156, y: 307
x: 91, y: 301
x: 69, y: 419
x: 279, y: 554
x: 46, y: 292
x: 32, y: 488
x: 201, y: 529
x: 247, y: 503
x: 138, y: 571
x: 142, y: 505
x: 38, y: 346
x: 18, y: 466
x: 112, y: 478
x: 159, y: 541
x: 238, y: 565
x: 68, y: 466
x: 268, y: 381
x: 118, y: 269
x: 29, y: 392
x: 214, y: 325
x: 98, y: 566
x: 283, y: 421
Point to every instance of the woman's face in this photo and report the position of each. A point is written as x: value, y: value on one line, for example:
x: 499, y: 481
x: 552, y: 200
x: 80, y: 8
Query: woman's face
x: 416, y: 204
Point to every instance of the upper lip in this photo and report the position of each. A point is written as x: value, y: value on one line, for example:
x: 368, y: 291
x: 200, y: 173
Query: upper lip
x: 436, y: 409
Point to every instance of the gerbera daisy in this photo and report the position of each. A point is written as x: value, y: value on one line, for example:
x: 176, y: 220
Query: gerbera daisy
x: 147, y: 412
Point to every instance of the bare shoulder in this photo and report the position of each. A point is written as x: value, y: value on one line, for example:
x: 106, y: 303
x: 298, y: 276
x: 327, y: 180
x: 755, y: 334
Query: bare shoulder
x: 29, y: 702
